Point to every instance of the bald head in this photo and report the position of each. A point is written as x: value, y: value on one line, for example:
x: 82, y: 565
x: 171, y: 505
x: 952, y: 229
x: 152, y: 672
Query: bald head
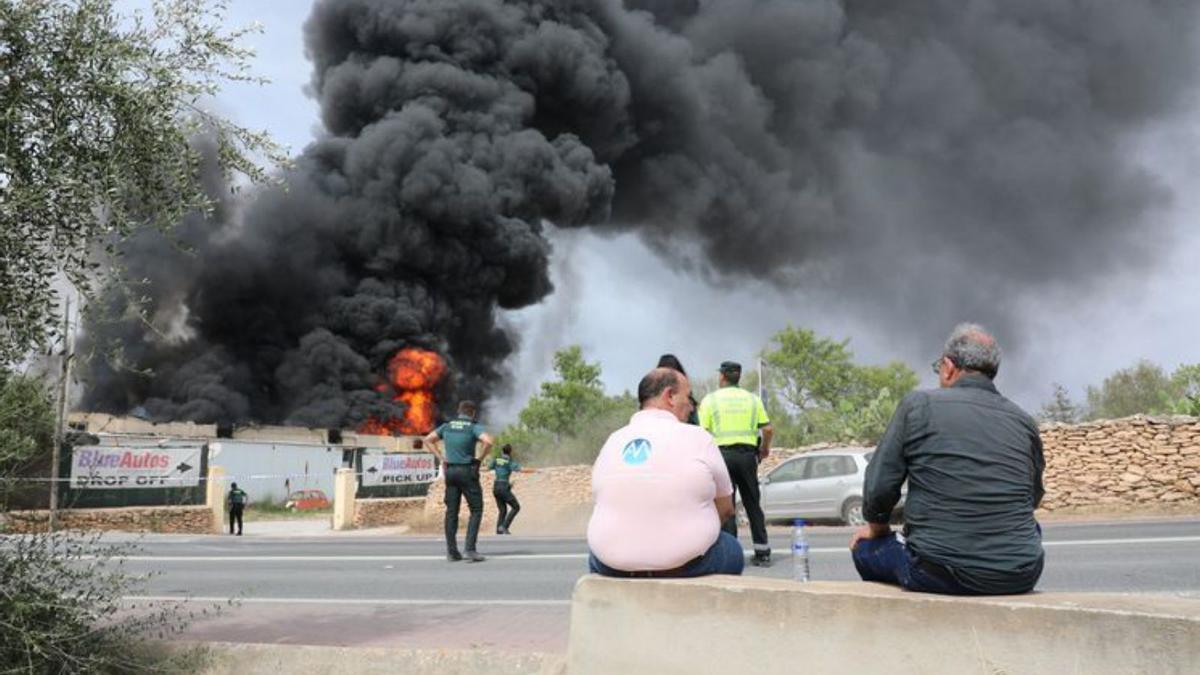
x: 665, y: 389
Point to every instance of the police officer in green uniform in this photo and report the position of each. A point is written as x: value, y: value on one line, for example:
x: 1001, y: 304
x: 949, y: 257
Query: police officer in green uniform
x: 505, y: 466
x: 235, y: 501
x: 735, y: 418
x: 461, y: 470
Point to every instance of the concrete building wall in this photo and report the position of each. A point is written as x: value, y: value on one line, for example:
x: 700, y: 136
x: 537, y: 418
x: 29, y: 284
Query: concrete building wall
x: 266, y: 470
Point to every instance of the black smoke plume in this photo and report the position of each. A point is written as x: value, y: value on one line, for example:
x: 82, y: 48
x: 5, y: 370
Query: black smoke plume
x: 919, y: 160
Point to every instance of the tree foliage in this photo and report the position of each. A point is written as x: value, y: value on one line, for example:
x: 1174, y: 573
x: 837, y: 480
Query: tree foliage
x: 576, y: 394
x: 1143, y: 388
x: 817, y: 393
x: 1060, y: 407
x: 26, y: 429
x: 571, y: 416
x: 99, y: 111
x: 1146, y: 389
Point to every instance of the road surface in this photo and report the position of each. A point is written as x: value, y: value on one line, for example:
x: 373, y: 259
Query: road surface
x: 400, y: 591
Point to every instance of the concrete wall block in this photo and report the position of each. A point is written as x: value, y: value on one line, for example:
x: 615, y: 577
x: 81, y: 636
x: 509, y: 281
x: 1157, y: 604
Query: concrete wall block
x: 753, y: 625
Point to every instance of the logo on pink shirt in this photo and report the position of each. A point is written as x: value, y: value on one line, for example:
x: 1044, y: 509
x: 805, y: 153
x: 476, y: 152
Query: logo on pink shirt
x: 636, y: 451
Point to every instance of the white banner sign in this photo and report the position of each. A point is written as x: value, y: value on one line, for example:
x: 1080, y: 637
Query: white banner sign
x: 399, y: 469
x: 97, y: 467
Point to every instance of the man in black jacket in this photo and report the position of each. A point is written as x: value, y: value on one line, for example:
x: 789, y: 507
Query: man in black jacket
x: 973, y: 462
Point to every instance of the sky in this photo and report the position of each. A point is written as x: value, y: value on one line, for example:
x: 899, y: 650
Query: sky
x: 625, y: 306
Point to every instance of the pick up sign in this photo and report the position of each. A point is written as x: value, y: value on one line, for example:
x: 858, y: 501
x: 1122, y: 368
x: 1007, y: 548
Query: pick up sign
x: 96, y: 467
x: 398, y: 469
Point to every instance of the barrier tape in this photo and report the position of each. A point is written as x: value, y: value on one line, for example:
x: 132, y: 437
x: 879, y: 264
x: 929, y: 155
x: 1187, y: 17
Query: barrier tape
x: 252, y: 476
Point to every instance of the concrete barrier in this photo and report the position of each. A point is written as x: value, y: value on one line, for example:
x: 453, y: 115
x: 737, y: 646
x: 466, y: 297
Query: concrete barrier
x: 345, y: 485
x: 250, y: 659
x: 214, y: 497
x: 753, y: 625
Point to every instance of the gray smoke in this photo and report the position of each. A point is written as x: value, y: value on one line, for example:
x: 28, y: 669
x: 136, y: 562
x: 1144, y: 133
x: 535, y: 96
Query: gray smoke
x: 920, y: 161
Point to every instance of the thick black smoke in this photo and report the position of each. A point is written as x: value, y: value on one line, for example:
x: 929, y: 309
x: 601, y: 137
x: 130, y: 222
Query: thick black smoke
x: 922, y: 161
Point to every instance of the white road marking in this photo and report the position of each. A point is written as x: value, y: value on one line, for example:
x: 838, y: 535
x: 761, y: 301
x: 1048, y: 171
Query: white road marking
x: 571, y: 556
x: 436, y: 602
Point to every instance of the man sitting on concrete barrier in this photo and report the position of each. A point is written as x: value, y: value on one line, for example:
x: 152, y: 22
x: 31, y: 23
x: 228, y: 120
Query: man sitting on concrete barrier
x: 974, y: 464
x: 660, y: 491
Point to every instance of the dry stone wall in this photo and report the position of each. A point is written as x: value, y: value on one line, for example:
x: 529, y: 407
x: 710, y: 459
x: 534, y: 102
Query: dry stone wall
x: 389, y: 511
x: 555, y: 500
x: 169, y: 519
x: 1127, y: 464
x: 1136, y: 464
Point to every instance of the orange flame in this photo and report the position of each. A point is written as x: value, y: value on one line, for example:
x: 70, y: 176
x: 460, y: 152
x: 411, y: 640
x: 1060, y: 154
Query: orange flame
x: 412, y: 375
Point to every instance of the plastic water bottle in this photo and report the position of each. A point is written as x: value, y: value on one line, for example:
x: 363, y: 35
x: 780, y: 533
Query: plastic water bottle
x: 799, y: 551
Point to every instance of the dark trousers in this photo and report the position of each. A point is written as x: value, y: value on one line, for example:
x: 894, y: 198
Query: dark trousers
x: 235, y: 513
x: 723, y: 557
x: 742, y: 462
x: 463, y: 480
x: 886, y: 559
x: 505, y: 499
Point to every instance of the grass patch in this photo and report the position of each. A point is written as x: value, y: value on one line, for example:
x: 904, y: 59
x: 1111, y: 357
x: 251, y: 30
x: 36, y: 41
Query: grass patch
x: 265, y: 511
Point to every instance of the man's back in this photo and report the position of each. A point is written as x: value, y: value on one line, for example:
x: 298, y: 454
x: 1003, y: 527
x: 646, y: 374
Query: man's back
x: 974, y: 464
x: 653, y: 485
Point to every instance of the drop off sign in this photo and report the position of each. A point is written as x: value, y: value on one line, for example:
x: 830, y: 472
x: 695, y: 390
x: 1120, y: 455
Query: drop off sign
x: 109, y: 467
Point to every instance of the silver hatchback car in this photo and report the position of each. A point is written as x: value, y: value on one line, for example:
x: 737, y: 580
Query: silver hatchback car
x: 819, y: 485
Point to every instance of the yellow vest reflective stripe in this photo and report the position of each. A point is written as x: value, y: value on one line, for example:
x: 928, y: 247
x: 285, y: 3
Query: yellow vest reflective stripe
x: 732, y: 416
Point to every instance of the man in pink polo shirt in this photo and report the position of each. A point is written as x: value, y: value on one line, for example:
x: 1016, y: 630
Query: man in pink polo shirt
x: 661, y: 491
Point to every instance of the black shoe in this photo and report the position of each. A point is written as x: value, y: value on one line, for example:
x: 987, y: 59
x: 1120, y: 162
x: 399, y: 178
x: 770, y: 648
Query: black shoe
x: 474, y: 557
x: 453, y: 556
x: 501, y: 530
x: 239, y: 534
x: 761, y: 560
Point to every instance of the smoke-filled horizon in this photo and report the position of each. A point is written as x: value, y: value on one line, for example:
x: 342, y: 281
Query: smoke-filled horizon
x: 924, y: 162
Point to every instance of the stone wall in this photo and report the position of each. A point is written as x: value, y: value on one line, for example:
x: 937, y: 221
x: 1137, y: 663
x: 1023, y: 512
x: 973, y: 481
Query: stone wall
x: 555, y: 500
x: 1136, y: 464
x: 1128, y: 464
x: 393, y: 511
x: 171, y: 519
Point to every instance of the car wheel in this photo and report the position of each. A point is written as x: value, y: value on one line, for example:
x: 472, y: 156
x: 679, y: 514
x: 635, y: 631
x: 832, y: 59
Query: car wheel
x: 852, y: 512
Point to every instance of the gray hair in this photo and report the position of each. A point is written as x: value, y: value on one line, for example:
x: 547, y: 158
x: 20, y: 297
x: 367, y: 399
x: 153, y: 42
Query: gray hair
x: 971, y: 347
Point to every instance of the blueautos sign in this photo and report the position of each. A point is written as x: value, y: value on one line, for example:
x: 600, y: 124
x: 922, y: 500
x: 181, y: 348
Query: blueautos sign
x: 398, y: 469
x: 96, y: 467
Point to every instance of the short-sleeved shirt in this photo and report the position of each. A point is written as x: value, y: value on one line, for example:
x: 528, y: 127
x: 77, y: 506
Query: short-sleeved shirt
x: 733, y: 416
x: 653, y: 487
x: 460, y: 436
x: 504, y: 466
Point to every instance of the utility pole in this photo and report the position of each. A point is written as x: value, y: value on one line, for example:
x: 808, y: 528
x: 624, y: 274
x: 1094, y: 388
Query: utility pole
x: 60, y: 424
x: 762, y: 377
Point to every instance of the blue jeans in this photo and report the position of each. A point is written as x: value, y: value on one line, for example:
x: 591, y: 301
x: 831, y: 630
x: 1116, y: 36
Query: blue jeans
x: 886, y: 559
x: 723, y: 557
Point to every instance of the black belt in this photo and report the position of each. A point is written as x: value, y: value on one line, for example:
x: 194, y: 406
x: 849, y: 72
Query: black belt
x: 656, y: 574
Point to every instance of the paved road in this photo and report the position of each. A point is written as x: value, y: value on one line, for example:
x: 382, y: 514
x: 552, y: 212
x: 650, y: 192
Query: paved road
x: 400, y: 591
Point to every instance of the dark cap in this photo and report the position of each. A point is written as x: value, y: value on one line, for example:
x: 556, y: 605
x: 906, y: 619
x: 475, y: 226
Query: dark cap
x: 730, y: 367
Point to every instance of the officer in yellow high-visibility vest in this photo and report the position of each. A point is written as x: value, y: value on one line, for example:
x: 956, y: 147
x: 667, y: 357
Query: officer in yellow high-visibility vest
x: 735, y: 418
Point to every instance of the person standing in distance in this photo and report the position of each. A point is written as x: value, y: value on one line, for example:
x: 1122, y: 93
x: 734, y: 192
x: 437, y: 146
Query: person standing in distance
x: 735, y: 418
x: 672, y: 362
x: 460, y: 436
x: 235, y: 501
x: 505, y: 466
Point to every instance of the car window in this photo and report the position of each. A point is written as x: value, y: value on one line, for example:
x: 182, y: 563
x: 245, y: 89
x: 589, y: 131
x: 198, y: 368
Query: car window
x: 829, y: 466
x: 867, y: 457
x: 789, y: 471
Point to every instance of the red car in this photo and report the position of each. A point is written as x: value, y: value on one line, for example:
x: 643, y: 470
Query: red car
x: 307, y: 500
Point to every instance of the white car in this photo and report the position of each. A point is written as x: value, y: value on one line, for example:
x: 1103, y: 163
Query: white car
x: 819, y: 485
